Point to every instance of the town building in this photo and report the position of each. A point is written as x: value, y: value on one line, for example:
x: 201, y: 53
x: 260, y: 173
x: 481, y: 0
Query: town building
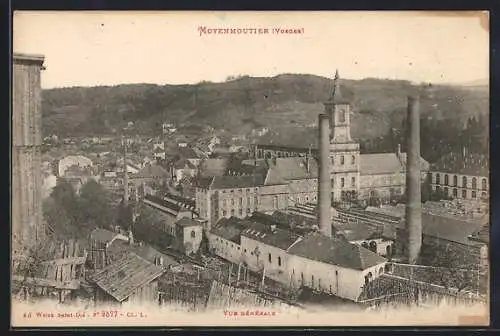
x: 166, y: 213
x: 239, y: 196
x: 28, y: 226
x: 131, y: 280
x: 73, y: 160
x: 328, y: 265
x: 352, y: 175
x: 461, y: 176
x: 99, y: 242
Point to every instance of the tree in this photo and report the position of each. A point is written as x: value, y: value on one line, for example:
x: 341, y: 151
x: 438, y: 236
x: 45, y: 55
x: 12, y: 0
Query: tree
x: 125, y: 216
x: 95, y: 206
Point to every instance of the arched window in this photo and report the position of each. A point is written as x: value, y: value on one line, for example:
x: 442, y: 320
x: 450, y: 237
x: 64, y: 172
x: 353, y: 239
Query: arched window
x: 193, y: 234
x: 446, y: 179
x: 438, y: 178
x: 353, y: 182
x: 388, y: 251
x: 269, y: 256
x: 373, y: 246
x: 484, y: 184
x: 474, y: 194
x: 464, y: 182
x: 342, y: 182
x: 380, y: 270
x: 474, y: 183
x: 353, y: 159
x: 342, y: 161
x: 455, y: 192
x: 455, y: 181
x: 279, y: 261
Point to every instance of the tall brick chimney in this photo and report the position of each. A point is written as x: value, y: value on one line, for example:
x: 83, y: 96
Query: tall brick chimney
x: 413, y: 205
x: 324, y: 196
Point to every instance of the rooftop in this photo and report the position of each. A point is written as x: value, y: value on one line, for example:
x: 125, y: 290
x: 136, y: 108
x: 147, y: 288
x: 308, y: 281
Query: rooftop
x: 336, y: 251
x: 124, y: 276
x: 119, y: 248
x: 187, y: 222
x: 102, y: 235
x: 276, y: 237
x: 151, y: 171
x: 468, y: 164
x: 230, y: 228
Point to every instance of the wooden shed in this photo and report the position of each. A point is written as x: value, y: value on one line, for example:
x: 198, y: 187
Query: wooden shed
x: 131, y: 279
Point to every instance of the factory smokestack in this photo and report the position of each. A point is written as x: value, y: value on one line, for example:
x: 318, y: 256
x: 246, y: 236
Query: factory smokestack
x: 324, y: 196
x: 413, y: 204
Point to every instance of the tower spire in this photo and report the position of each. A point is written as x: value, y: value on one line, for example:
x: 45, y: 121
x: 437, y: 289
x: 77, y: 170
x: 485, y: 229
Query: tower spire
x: 336, y: 86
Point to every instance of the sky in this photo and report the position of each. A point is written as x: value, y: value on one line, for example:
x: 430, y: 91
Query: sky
x: 110, y: 48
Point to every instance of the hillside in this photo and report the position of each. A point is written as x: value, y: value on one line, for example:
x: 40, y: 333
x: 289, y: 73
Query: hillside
x: 248, y: 102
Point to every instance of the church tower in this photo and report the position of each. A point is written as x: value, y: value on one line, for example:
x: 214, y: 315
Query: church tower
x: 344, y: 152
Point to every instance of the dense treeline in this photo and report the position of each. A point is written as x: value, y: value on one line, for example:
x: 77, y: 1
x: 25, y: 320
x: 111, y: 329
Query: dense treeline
x: 245, y: 103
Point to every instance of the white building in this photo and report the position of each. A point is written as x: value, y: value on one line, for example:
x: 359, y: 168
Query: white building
x: 329, y: 265
x: 73, y: 160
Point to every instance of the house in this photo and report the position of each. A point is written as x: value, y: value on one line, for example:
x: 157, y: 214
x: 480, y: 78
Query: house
x: 224, y: 238
x: 167, y: 213
x: 99, y: 241
x: 118, y: 248
x: 183, y: 168
x: 78, y: 160
x: 189, y: 234
x: 130, y: 280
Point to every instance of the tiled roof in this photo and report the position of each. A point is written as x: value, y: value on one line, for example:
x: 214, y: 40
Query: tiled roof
x: 180, y: 200
x: 188, y: 153
x: 184, y: 164
x: 278, y: 237
x: 124, y: 276
x: 203, y: 182
x: 382, y: 163
x: 160, y: 202
x: 230, y: 228
x: 102, y: 235
x: 119, y: 248
x: 151, y: 171
x: 335, y: 251
x: 445, y: 227
x: 470, y: 164
x: 213, y: 167
x: 187, y: 222
x: 233, y: 182
x: 424, y: 165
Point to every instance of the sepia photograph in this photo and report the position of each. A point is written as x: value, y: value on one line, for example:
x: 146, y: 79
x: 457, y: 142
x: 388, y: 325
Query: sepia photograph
x: 263, y: 169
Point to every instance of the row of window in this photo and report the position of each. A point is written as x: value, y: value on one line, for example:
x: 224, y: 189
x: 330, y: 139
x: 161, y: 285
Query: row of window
x: 484, y: 182
x: 269, y: 258
x: 224, y: 202
x: 342, y: 182
x: 240, y: 212
x: 342, y: 160
x: 464, y: 192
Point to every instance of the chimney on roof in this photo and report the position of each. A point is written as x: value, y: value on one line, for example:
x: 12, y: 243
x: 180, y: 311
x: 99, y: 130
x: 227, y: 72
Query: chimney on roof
x: 324, y: 196
x: 413, y: 206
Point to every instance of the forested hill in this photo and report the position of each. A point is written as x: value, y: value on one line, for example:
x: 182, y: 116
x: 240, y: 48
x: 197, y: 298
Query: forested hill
x: 244, y: 103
